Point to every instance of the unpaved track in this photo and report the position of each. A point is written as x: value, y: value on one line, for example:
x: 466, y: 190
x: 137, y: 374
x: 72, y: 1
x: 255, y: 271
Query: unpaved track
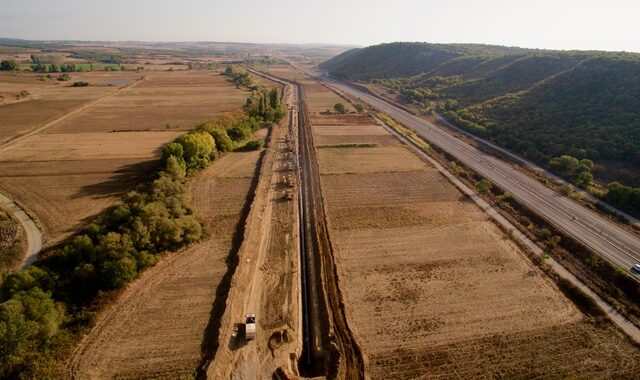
x: 265, y: 281
x: 34, y: 236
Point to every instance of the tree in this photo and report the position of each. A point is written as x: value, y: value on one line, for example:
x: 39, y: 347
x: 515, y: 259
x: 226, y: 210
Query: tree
x: 9, y: 65
x: 199, y: 149
x: 175, y: 169
x: 359, y: 107
x: 237, y: 133
x: 223, y: 141
x: 340, y: 108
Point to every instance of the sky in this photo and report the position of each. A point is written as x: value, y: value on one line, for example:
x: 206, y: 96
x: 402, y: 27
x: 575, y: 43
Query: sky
x: 551, y: 24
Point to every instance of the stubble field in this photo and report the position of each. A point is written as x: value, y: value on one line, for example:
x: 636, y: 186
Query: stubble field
x: 434, y: 289
x: 104, y: 141
x: 157, y: 327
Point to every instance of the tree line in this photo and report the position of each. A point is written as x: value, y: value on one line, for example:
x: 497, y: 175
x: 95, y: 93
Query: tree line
x: 43, y: 306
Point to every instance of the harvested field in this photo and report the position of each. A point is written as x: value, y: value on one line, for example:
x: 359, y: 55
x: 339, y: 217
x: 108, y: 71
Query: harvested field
x: 83, y: 162
x: 88, y: 146
x: 368, y: 160
x: 322, y: 99
x: 66, y: 179
x: 177, y: 99
x: 282, y: 71
x: 66, y: 195
x: 155, y: 329
x: 335, y: 119
x: 49, y: 99
x: 337, y: 134
x: 399, y: 187
x: 436, y: 290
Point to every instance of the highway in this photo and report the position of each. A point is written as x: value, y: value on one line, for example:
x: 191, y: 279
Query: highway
x: 610, y: 241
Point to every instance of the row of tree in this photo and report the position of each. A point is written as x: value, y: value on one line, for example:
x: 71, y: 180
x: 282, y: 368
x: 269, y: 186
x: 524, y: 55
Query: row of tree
x: 59, y: 68
x: 42, y: 306
x: 240, y: 76
x: 265, y: 105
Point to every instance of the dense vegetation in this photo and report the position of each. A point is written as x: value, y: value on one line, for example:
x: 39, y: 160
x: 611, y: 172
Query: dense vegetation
x: 541, y: 104
x: 60, y: 68
x: 43, y: 306
x: 9, y: 65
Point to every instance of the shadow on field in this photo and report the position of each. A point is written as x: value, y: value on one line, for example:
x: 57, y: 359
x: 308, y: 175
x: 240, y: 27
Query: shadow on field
x: 124, y: 179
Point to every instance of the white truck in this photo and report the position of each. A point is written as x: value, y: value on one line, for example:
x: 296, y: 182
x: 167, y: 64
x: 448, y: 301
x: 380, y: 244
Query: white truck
x: 250, y: 327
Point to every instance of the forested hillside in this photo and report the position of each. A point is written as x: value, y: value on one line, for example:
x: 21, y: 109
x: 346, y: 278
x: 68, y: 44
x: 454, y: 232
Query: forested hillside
x: 542, y: 104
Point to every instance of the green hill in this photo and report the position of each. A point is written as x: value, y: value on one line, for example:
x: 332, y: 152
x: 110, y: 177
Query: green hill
x: 539, y: 103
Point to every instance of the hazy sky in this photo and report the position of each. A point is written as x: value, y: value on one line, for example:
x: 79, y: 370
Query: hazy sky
x: 553, y: 24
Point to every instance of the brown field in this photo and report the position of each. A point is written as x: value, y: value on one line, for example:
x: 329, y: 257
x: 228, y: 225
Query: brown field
x: 70, y: 171
x: 49, y: 100
x: 156, y: 327
x: 321, y: 99
x: 436, y: 290
x: 335, y: 135
x: 178, y: 99
x: 282, y: 71
x: 368, y: 160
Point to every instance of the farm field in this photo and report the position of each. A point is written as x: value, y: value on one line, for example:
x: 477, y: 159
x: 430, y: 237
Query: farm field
x: 434, y: 288
x: 48, y: 99
x: 178, y: 99
x: 157, y: 327
x: 281, y: 71
x: 79, y: 165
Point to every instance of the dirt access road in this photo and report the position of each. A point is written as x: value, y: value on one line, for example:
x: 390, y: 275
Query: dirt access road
x: 34, y: 236
x: 266, y: 280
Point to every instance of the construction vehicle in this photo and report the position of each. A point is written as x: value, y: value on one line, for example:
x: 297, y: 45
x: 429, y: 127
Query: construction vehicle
x: 250, y: 327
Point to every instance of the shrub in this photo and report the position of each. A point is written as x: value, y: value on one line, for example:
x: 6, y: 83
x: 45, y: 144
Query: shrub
x: 254, y: 145
x: 9, y: 65
x: 222, y: 139
x: 340, y: 108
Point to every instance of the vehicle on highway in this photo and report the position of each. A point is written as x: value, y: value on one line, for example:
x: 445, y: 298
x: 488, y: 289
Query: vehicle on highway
x: 250, y: 326
x: 636, y: 268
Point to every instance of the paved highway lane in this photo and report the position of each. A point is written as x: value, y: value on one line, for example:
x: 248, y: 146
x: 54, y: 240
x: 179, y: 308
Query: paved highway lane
x: 612, y: 242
